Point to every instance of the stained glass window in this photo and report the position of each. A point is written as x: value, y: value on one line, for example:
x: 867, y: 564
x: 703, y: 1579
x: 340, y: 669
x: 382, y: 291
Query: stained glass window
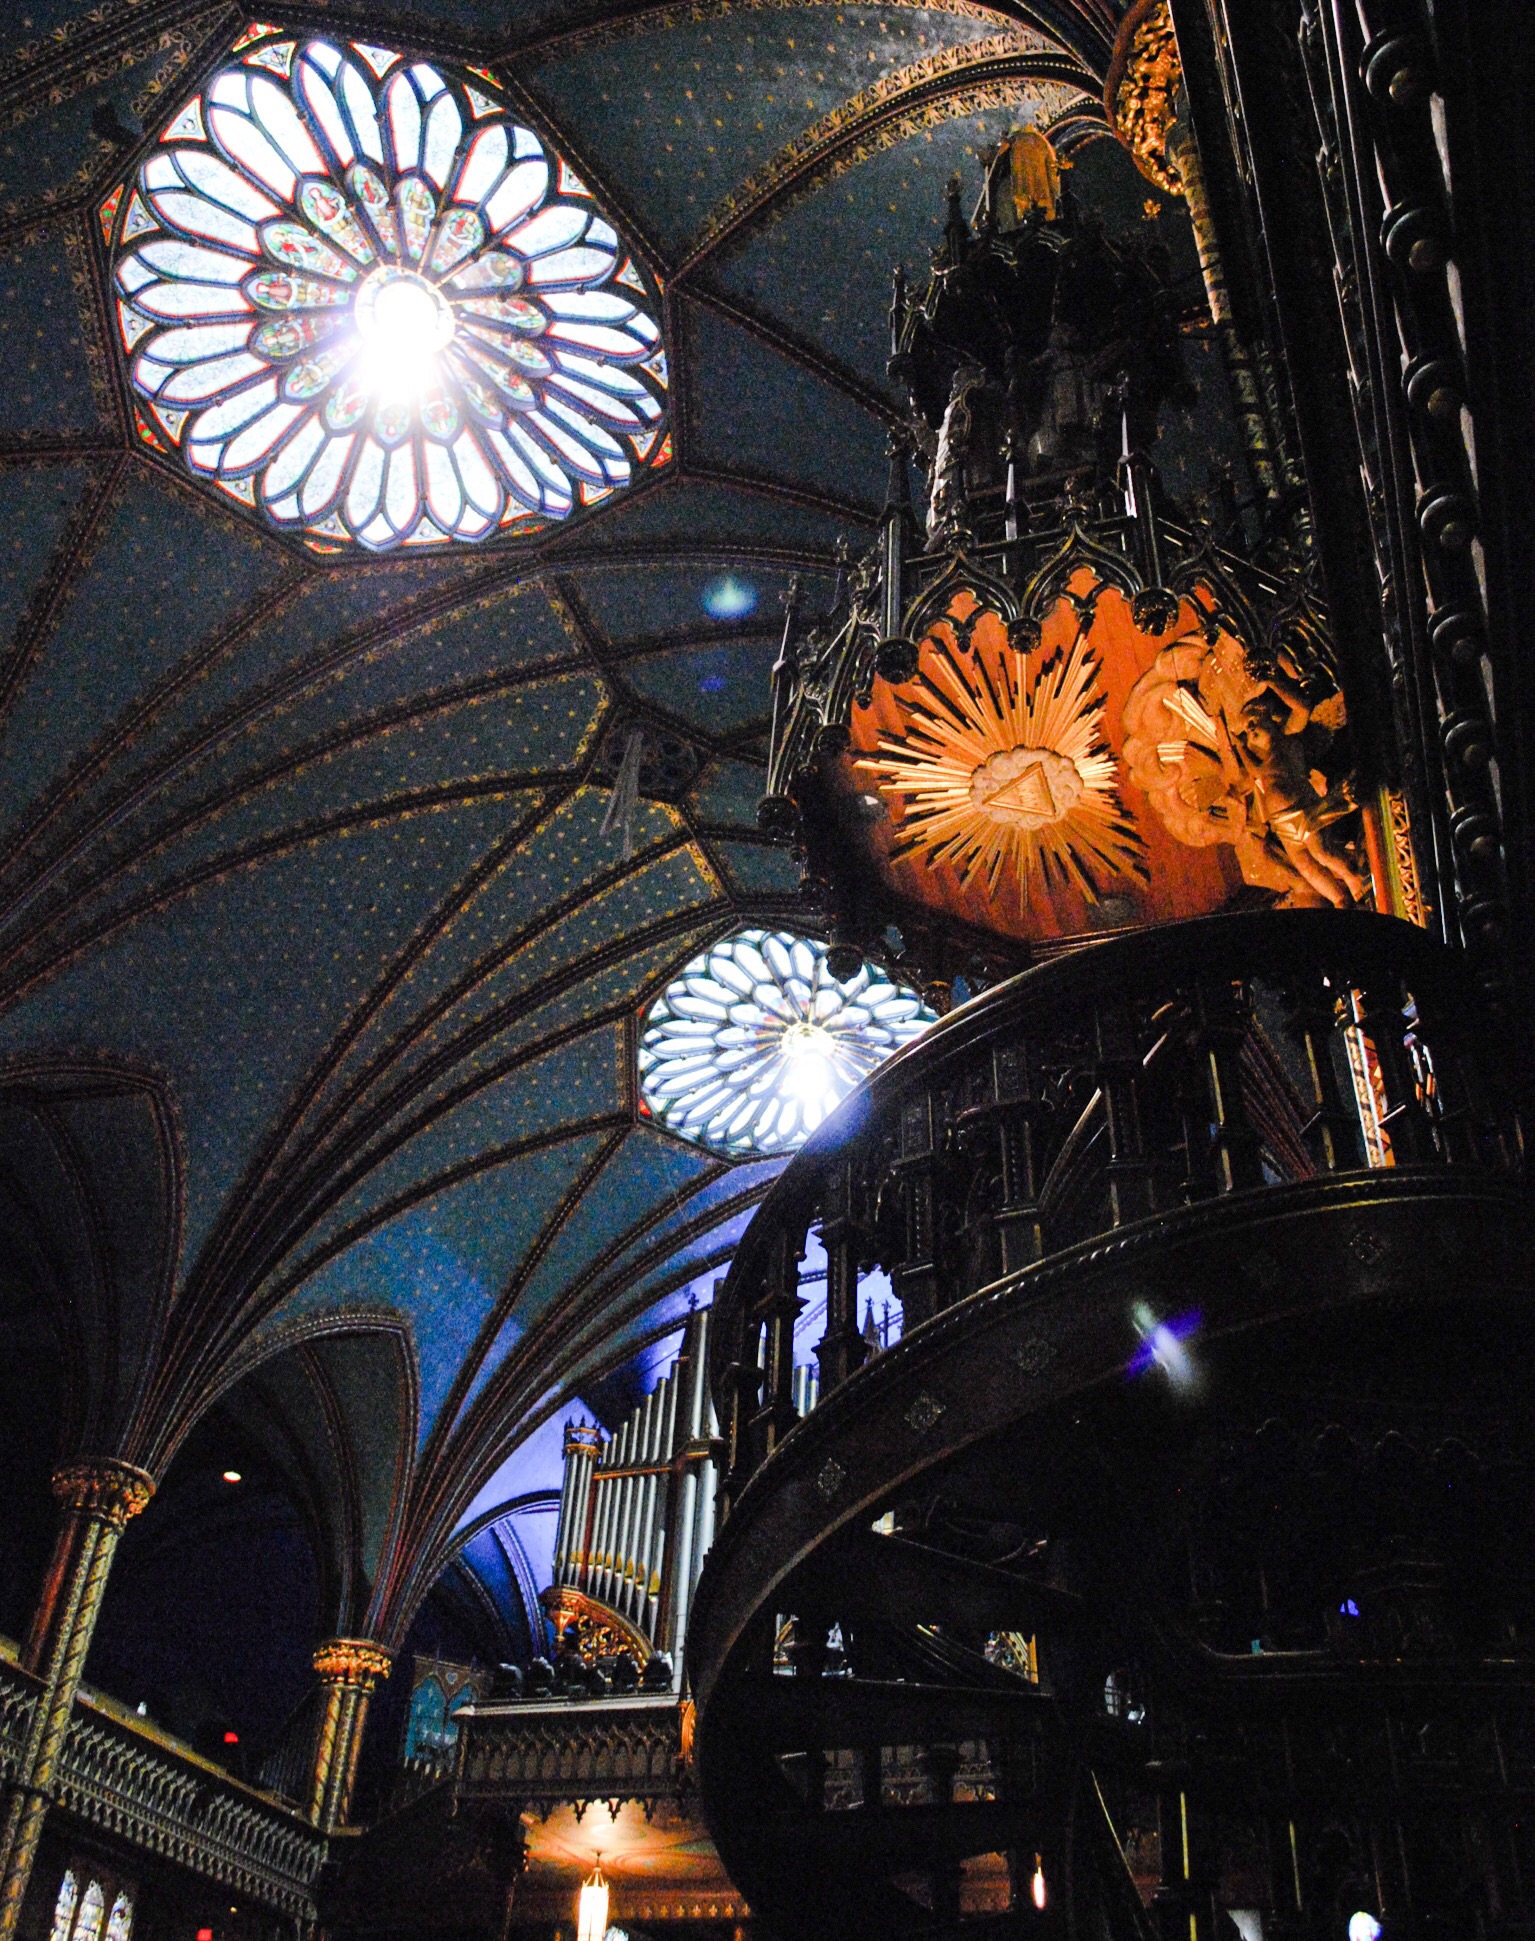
x: 92, y: 1907
x: 64, y: 1907
x: 751, y: 1047
x: 120, y: 1921
x: 357, y: 294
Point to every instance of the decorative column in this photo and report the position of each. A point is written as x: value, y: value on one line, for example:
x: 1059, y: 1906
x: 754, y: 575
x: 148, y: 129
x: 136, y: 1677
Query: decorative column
x: 98, y: 1499
x: 1117, y: 1067
x: 842, y: 1348
x: 349, y: 1669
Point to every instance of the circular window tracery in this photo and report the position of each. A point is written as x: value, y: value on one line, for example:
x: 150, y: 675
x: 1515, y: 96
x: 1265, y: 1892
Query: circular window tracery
x: 755, y: 1042
x: 356, y: 294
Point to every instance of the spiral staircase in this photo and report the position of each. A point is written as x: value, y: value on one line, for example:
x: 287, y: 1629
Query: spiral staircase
x: 1173, y: 1575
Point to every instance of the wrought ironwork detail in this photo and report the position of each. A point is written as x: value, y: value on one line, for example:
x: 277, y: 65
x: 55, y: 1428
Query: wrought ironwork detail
x: 830, y: 1480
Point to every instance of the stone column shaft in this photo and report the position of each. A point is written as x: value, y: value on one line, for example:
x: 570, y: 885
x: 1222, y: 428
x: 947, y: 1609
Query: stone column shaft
x: 98, y: 1500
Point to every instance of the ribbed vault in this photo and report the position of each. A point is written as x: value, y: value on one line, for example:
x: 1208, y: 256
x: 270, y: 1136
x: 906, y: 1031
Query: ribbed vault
x: 303, y: 881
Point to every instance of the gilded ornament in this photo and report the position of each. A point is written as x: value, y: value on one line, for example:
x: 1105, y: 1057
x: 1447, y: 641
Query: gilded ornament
x: 591, y: 1630
x: 353, y: 1661
x: 1227, y: 754
x: 1008, y: 774
x: 111, y: 1490
x: 1142, y: 92
x: 1404, y: 859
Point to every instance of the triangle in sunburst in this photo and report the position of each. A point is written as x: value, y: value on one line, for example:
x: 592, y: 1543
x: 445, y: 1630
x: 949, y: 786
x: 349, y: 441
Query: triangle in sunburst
x: 1029, y: 793
x: 965, y: 717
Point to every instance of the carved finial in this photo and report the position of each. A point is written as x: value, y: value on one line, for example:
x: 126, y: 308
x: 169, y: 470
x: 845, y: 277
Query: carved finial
x: 956, y: 231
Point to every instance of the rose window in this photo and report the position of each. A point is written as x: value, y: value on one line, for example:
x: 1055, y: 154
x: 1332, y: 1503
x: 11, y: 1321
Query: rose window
x: 750, y: 1048
x: 359, y: 296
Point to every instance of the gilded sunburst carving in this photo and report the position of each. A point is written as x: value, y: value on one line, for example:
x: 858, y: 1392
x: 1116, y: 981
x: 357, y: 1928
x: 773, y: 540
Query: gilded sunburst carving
x: 1007, y: 774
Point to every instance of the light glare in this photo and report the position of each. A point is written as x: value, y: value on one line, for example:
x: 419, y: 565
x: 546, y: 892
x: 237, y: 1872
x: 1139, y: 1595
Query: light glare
x: 403, y: 324
x: 809, y: 1074
x: 1163, y: 1346
x: 592, y: 1909
x: 728, y: 598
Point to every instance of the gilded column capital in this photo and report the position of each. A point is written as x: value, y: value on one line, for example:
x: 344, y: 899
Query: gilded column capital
x: 112, y: 1491
x: 1141, y: 94
x: 352, y: 1661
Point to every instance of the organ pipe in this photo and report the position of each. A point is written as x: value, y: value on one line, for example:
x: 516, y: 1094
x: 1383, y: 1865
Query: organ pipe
x: 637, y: 1508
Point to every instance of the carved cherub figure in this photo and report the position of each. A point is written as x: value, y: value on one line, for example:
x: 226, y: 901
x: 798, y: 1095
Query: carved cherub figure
x: 1228, y: 754
x: 1271, y: 744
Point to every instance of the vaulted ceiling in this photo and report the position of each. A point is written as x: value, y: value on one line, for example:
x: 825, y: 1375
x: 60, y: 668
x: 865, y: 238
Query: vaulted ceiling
x: 318, y: 975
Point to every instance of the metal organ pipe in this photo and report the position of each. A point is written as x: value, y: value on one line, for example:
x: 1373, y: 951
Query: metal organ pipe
x: 618, y: 1484
x: 655, y: 1490
x: 618, y: 1580
x: 621, y: 1532
x: 695, y: 1510
x: 682, y: 1588
x: 572, y: 1536
x: 623, y: 1563
x: 639, y: 1574
x: 567, y: 1496
x: 578, y: 1565
x: 650, y: 1497
x: 665, y: 1506
x: 637, y: 1508
x: 602, y: 1548
x: 587, y: 1572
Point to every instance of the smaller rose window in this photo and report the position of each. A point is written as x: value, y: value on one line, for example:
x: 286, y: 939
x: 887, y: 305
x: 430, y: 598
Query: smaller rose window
x: 357, y: 295
x: 750, y: 1048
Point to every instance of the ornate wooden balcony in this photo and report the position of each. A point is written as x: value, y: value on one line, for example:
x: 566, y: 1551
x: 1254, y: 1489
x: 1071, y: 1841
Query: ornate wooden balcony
x: 1206, y: 1434
x: 126, y: 1780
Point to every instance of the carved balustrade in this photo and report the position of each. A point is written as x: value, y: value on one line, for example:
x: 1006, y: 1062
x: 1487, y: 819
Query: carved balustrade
x: 125, y: 1781
x: 1131, y: 1080
x: 547, y: 1754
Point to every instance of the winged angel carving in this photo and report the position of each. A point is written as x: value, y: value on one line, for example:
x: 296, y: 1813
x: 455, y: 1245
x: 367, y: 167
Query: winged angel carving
x: 1229, y: 755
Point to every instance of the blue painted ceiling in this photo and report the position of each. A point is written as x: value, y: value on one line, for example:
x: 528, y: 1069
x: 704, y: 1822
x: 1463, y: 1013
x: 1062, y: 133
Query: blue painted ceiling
x: 305, y: 858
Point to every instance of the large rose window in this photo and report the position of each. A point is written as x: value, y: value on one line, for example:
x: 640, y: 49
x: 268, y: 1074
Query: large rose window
x: 358, y: 295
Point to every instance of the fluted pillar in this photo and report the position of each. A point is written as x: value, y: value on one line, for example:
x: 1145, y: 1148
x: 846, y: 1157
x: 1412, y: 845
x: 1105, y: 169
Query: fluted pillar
x: 349, y: 1669
x: 98, y: 1499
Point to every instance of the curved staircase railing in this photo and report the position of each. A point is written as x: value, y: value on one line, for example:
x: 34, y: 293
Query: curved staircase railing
x: 969, y: 1627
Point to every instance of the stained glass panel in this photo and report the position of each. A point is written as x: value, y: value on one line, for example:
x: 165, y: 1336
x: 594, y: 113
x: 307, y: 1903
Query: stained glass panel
x: 357, y: 294
x: 93, y: 1907
x: 750, y: 1048
x: 64, y: 1907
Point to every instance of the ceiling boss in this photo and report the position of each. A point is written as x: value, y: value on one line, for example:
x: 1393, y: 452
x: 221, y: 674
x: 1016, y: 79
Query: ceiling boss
x: 356, y: 295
